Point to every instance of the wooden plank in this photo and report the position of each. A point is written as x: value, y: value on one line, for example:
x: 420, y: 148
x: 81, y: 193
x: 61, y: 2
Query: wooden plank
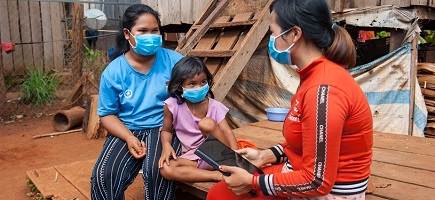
x: 3, y: 89
x: 420, y: 2
x: 171, y: 12
x: 18, y: 65
x: 57, y: 34
x: 229, y: 24
x: 372, y: 197
x: 77, y: 42
x: 79, y: 174
x: 392, y: 189
x: 208, y: 41
x: 227, y: 75
x: 26, y: 33
x: 366, y: 3
x: 47, y: 35
x: 211, y: 36
x: 197, y: 35
x: 401, y: 3
x: 261, y: 137
x: 53, y: 185
x: 400, y: 173
x: 406, y: 159
x: 231, y: 34
x: 269, y: 125
x: 213, y: 64
x: 413, y: 83
x: 404, y: 143
x: 7, y: 59
x: 36, y: 27
x: 212, y: 53
x: 187, y: 11
x: 242, y: 35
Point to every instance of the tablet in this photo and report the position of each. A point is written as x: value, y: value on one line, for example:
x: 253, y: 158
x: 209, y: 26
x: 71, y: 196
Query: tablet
x: 216, y: 153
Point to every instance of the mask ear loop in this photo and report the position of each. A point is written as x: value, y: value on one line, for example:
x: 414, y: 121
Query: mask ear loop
x: 134, y: 40
x: 281, y: 34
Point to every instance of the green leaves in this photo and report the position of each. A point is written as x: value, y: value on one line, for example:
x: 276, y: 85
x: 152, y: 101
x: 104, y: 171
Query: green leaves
x: 39, y: 86
x: 429, y: 37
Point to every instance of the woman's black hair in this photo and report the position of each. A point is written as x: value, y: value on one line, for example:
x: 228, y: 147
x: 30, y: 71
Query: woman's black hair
x: 187, y: 67
x: 315, y: 20
x: 129, y: 18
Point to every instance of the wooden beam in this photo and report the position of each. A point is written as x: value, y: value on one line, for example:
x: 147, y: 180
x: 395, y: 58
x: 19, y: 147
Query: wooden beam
x: 2, y: 81
x: 212, y: 53
x: 412, y: 79
x: 36, y: 26
x: 7, y: 59
x: 229, y: 24
x: 77, y: 41
x: 227, y: 75
x: 193, y: 40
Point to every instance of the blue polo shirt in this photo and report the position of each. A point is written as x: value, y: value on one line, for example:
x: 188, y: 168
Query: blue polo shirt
x: 136, y: 98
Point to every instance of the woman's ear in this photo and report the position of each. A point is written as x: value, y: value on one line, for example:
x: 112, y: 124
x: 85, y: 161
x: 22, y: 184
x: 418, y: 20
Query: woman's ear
x: 297, y: 33
x: 126, y: 34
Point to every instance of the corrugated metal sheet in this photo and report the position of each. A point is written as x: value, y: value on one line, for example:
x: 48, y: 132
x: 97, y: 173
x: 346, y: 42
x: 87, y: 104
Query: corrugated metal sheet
x: 171, y: 11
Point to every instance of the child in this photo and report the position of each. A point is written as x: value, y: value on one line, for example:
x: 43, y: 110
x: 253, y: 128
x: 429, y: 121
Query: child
x: 193, y: 116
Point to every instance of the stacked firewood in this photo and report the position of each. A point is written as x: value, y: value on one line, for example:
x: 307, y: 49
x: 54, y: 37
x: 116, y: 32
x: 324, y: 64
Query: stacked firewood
x: 426, y: 79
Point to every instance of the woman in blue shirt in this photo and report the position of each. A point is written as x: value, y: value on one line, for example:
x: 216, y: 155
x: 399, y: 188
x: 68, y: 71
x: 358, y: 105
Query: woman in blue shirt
x: 130, y: 106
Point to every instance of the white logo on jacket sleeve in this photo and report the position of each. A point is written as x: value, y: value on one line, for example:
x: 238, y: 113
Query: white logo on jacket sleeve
x: 128, y: 94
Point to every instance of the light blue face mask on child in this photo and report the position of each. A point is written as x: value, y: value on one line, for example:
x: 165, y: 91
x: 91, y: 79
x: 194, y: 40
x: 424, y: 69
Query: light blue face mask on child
x: 195, y: 95
x: 282, y: 57
x: 146, y: 44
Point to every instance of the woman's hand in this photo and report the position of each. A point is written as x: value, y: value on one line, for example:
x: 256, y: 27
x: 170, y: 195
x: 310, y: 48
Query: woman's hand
x: 252, y: 155
x: 167, y: 152
x: 239, y: 181
x: 136, y: 148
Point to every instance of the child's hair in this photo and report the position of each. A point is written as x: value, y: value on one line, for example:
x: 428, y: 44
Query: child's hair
x: 187, y: 67
x: 129, y: 18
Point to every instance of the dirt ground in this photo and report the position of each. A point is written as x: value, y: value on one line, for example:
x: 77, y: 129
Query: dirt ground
x: 19, y: 152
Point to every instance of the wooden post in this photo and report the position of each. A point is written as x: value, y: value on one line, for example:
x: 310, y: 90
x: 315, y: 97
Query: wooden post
x: 91, y: 122
x: 77, y: 41
x: 412, y: 79
x: 2, y: 82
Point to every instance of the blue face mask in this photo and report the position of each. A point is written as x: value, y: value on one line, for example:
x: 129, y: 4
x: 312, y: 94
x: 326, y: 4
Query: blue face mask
x: 282, y: 57
x: 195, y: 95
x: 146, y: 44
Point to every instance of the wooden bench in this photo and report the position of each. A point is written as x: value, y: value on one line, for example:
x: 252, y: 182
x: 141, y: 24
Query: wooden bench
x: 403, y: 168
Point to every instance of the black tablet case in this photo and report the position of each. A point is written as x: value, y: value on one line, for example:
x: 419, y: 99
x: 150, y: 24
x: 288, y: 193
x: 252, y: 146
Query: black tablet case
x: 216, y: 153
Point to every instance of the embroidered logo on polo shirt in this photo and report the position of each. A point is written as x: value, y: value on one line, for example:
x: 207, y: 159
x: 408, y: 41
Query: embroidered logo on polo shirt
x: 128, y: 94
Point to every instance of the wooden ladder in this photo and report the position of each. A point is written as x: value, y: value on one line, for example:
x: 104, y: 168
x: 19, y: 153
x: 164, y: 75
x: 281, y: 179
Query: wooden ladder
x: 225, y: 36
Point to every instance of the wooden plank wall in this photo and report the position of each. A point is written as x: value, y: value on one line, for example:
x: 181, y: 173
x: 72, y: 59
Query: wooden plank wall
x: 339, y: 5
x: 39, y: 31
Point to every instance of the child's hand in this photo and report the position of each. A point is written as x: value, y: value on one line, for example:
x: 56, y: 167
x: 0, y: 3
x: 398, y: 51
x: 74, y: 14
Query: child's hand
x: 166, y: 153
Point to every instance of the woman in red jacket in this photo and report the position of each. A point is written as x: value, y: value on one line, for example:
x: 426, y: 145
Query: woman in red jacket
x: 329, y: 128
